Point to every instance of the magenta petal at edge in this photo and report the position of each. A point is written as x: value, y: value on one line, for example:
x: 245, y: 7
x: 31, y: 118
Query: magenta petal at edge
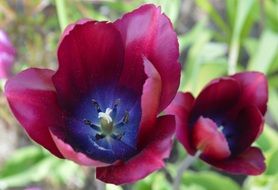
x: 7, y: 55
x: 223, y: 122
x: 101, y: 107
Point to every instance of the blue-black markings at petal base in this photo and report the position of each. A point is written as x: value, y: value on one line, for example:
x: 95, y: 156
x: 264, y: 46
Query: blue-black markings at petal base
x: 85, y: 135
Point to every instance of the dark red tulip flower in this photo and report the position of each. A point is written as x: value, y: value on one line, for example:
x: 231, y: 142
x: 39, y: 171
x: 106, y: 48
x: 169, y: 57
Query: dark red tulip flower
x: 224, y: 121
x: 100, y: 108
x: 7, y: 55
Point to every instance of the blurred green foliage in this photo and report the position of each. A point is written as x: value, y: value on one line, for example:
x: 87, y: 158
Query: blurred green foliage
x: 215, y: 37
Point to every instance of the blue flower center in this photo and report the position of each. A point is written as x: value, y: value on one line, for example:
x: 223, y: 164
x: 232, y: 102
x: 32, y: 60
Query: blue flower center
x: 107, y: 127
x: 104, y: 126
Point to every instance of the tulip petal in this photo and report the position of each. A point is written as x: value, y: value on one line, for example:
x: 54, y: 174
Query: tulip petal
x: 90, y: 55
x: 147, y: 161
x: 32, y: 98
x: 250, y: 162
x: 149, y: 103
x: 78, y: 157
x: 248, y: 126
x: 216, y: 98
x: 147, y: 32
x: 254, y: 90
x: 208, y: 138
x: 181, y: 107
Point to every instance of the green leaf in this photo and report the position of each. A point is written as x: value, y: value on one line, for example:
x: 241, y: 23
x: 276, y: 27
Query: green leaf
x: 22, y: 160
x: 243, y: 10
x: 271, y: 8
x: 193, y: 62
x: 231, y: 7
x: 187, y: 39
x: 266, y: 52
x: 272, y: 166
x: 261, y: 182
x: 209, y: 180
x: 268, y: 139
x: 34, y: 173
x: 212, y: 12
x: 273, y: 104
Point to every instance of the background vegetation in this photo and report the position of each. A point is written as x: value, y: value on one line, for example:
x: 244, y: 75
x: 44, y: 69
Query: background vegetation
x: 216, y: 38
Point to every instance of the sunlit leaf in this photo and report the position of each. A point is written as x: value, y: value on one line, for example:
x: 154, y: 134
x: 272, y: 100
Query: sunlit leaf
x: 209, y: 180
x: 266, y: 52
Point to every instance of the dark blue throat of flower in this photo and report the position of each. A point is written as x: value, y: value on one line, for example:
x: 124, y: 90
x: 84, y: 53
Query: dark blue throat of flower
x: 105, y: 125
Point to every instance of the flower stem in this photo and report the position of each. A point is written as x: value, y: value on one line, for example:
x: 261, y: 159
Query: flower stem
x: 186, y: 163
x: 62, y: 14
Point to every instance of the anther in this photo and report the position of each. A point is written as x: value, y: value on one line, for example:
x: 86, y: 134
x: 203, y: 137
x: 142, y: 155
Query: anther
x: 99, y: 136
x: 116, y: 103
x: 96, y: 105
x: 118, y: 136
x: 126, y: 117
x: 90, y: 123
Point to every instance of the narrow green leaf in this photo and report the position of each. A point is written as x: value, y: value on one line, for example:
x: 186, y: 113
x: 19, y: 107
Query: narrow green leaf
x: 208, y: 7
x: 273, y: 104
x: 243, y: 9
x: 268, y: 139
x: 272, y: 166
x: 266, y: 52
x: 209, y: 180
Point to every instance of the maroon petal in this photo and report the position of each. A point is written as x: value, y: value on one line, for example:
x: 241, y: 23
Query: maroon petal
x: 248, y: 126
x: 147, y: 32
x: 32, y: 98
x: 78, y: 157
x: 181, y: 107
x: 217, y: 97
x: 250, y: 162
x: 90, y: 54
x: 208, y: 138
x: 254, y: 90
x: 149, y: 102
x: 147, y: 161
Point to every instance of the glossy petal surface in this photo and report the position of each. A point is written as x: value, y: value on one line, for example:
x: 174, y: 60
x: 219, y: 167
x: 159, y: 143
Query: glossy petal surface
x: 32, y: 98
x: 208, y: 138
x: 69, y: 153
x: 90, y: 55
x: 254, y: 90
x: 248, y: 125
x: 147, y: 32
x: 150, y: 103
x: 217, y: 97
x: 250, y: 162
x: 181, y: 107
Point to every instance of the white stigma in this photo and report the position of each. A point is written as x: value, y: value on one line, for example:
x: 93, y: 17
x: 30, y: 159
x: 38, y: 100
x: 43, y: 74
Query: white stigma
x: 106, y: 115
x: 220, y: 129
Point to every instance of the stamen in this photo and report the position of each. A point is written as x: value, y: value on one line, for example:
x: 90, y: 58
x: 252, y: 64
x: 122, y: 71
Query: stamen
x: 116, y: 103
x: 96, y: 105
x: 126, y: 117
x: 90, y: 123
x: 99, y: 136
x: 118, y: 136
x: 124, y: 121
